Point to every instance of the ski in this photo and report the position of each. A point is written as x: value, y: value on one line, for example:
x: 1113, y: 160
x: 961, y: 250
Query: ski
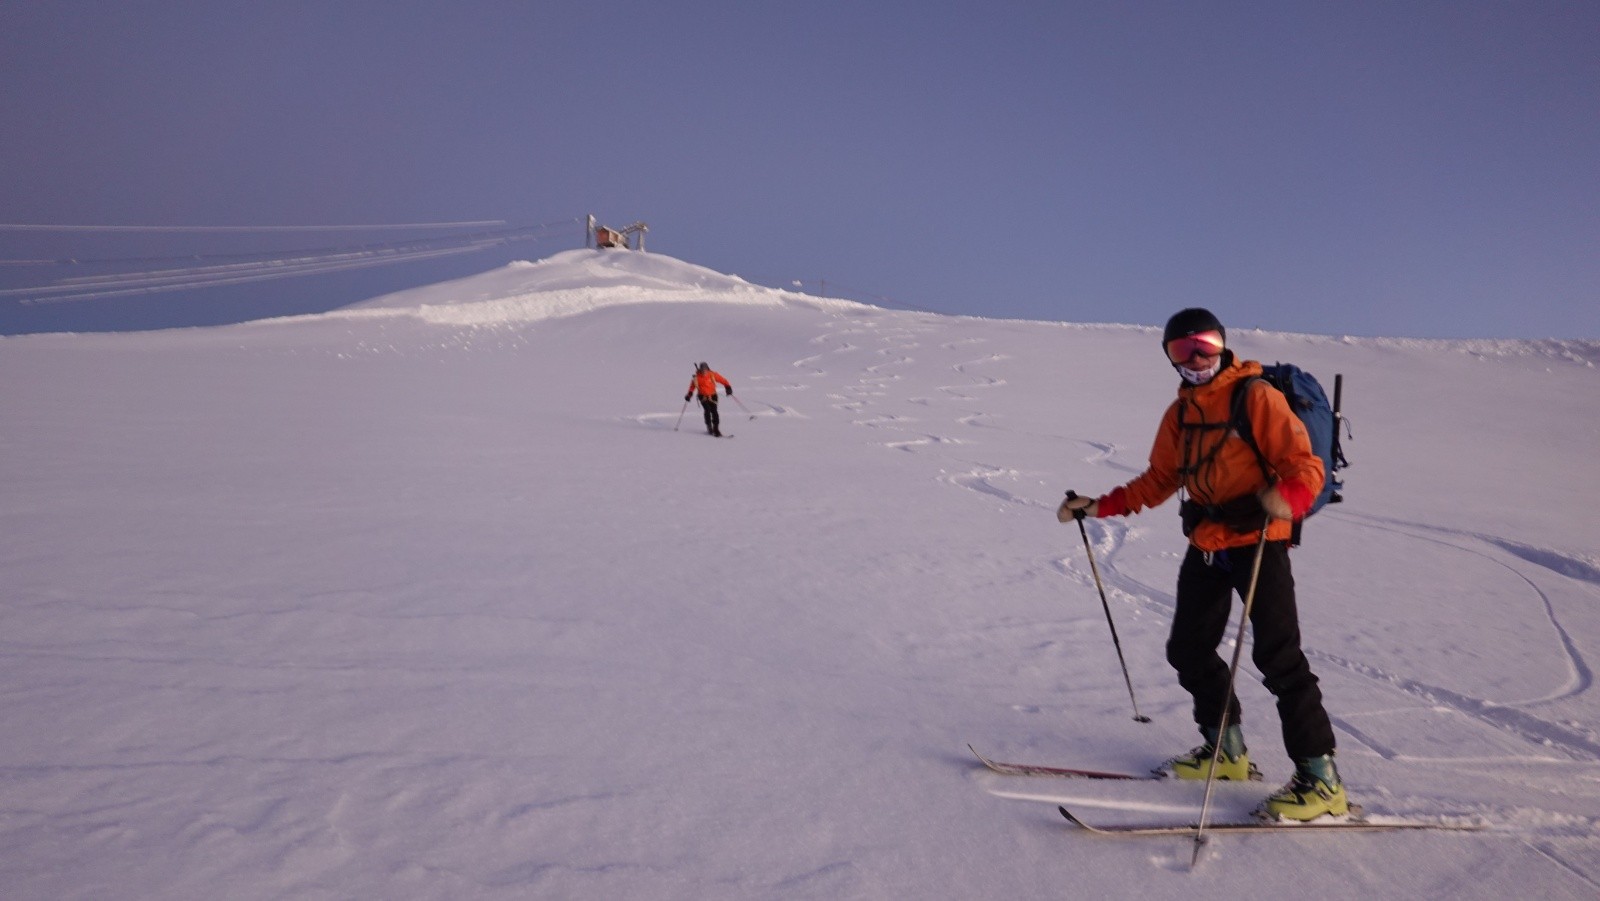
x: 1030, y: 769
x: 1321, y: 825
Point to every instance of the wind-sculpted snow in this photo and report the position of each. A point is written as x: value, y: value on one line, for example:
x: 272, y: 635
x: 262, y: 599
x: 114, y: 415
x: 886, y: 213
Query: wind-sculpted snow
x: 1581, y: 352
x: 554, y: 304
x: 571, y: 283
x: 590, y: 271
x: 450, y: 596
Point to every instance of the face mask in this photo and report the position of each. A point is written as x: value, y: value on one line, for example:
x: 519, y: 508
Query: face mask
x: 1205, y: 375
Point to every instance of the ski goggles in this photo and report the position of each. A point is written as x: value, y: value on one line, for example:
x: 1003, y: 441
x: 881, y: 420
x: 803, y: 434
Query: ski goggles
x: 1206, y: 344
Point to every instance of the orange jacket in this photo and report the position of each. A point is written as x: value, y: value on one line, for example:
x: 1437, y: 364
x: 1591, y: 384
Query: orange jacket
x: 705, y: 383
x: 1191, y: 459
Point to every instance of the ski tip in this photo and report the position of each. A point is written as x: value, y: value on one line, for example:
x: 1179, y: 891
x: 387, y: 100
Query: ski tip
x: 1073, y: 819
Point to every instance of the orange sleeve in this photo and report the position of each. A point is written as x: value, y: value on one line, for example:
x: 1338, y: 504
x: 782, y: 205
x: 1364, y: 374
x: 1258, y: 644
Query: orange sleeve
x: 1283, y: 441
x: 1160, y: 479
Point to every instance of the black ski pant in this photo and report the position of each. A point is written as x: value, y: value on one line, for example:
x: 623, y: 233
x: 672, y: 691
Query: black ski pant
x: 713, y: 419
x: 1205, y: 599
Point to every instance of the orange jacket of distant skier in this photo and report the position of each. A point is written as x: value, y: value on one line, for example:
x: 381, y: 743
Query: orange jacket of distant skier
x: 705, y: 383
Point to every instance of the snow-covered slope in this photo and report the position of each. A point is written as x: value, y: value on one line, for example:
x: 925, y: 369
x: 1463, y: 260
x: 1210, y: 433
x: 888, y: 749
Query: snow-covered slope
x: 592, y: 271
x: 448, y: 596
x: 570, y: 283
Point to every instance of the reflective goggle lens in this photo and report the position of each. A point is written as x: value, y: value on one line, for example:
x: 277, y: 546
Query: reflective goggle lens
x: 1206, y: 344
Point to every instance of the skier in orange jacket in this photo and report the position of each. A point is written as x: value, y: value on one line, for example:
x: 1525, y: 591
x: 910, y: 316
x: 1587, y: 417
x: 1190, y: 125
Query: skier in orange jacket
x: 1231, y: 509
x: 704, y: 383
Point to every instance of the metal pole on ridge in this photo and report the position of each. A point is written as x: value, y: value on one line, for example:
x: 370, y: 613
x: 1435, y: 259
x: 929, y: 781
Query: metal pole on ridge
x: 1078, y: 515
x: 742, y: 406
x: 680, y: 416
x: 1233, y: 674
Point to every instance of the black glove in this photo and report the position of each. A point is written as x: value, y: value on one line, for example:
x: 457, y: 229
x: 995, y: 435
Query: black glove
x: 687, y: 396
x: 730, y: 390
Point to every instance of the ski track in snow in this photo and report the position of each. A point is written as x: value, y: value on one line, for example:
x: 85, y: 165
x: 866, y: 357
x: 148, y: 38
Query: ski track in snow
x: 858, y: 398
x: 1506, y: 716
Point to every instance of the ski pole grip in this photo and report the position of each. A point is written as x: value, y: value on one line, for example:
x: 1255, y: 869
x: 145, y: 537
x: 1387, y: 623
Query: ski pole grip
x: 1077, y: 514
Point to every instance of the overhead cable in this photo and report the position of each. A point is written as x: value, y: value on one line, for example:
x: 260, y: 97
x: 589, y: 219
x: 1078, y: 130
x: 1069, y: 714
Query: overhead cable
x: 264, y: 266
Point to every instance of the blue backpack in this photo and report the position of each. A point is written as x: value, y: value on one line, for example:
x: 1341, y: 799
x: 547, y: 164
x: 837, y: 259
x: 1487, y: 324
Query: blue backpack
x: 1322, y: 421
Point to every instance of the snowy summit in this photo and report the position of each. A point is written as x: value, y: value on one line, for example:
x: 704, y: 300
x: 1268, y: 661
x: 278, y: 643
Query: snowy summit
x: 569, y: 283
x: 448, y: 595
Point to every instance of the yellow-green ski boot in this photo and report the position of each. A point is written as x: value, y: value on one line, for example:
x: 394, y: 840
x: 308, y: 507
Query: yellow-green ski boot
x: 1315, y: 791
x: 1232, y: 764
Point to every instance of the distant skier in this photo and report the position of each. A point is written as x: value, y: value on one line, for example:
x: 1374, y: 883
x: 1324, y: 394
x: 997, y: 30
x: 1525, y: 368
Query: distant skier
x: 1227, y: 503
x: 704, y: 383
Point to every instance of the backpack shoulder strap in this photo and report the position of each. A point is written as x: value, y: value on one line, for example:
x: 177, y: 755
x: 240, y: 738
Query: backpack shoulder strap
x: 1241, y: 423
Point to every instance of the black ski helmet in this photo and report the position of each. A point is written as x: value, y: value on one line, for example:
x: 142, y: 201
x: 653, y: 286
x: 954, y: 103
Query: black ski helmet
x: 701, y: 367
x: 1192, y: 321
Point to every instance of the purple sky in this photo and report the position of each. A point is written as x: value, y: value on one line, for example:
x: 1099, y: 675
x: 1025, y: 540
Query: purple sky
x: 1367, y: 168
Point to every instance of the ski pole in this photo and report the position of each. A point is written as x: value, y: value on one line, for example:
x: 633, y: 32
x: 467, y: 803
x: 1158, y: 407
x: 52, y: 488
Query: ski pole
x: 742, y: 406
x: 1079, y: 515
x: 680, y: 416
x: 1233, y: 674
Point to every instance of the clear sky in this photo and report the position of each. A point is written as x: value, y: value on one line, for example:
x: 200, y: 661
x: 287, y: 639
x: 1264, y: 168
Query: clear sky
x: 1369, y: 168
